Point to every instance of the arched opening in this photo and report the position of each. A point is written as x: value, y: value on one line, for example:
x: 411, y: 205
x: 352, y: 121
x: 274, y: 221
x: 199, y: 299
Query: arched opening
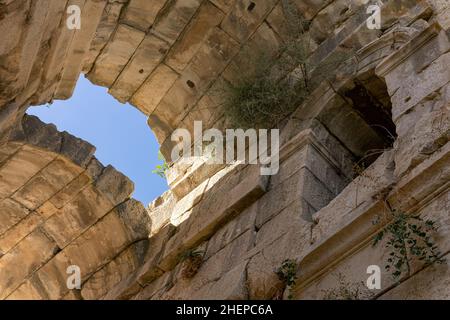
x: 119, y: 132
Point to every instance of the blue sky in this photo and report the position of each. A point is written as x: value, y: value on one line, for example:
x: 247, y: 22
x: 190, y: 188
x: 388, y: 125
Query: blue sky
x: 119, y: 131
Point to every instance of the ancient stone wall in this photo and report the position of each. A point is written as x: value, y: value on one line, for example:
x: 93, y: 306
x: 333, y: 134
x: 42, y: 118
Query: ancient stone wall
x: 59, y: 206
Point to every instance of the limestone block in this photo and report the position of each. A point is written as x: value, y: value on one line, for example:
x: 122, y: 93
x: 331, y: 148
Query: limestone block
x: 202, y: 71
x: 46, y: 183
x: 263, y: 44
x: 141, y: 14
x: 62, y: 197
x: 115, y: 55
x: 94, y: 168
x: 208, y: 17
x: 418, y: 86
x: 431, y: 283
x: 144, y: 61
x: 12, y: 213
x: 13, y: 22
x: 114, y: 185
x: 153, y: 289
x: 7, y: 150
x: 148, y: 96
x: 37, y: 17
x: 59, y: 46
x: 274, y: 201
x: 211, y: 213
x: 77, y: 215
x: 79, y: 47
x: 232, y: 230
x: 46, y: 210
x: 40, y: 134
x: 105, y: 29
x: 26, y: 291
x: 245, y: 17
x: 353, y: 269
x: 31, y: 253
x: 262, y: 281
x: 332, y: 17
x: 212, y: 270
x: 19, y: 169
x: 182, y: 184
x: 99, y: 244
x: 160, y: 211
x: 187, y: 203
x: 106, y: 278
x: 150, y: 270
x: 437, y: 210
x: 422, y: 131
x: 18, y: 232
x: 175, y: 18
x: 224, y: 5
x: 357, y: 194
x: 52, y: 277
x: 135, y: 218
x: 231, y: 286
x: 78, y: 151
x: 124, y: 290
x: 342, y: 121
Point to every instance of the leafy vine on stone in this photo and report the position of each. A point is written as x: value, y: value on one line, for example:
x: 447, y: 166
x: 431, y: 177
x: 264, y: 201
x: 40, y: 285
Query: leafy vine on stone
x: 161, y: 169
x: 409, y: 239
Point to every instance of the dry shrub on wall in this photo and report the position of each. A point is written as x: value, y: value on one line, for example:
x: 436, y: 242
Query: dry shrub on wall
x: 277, y: 84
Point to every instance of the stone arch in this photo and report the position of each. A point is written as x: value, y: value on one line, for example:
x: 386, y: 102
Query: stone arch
x: 61, y: 207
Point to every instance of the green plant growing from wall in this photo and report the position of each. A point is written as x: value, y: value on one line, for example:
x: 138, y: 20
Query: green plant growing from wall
x: 161, y: 169
x: 192, y: 261
x: 287, y: 273
x: 408, y: 239
x: 277, y: 84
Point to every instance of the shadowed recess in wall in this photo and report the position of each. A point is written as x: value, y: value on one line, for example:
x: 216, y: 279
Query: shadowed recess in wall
x: 119, y: 132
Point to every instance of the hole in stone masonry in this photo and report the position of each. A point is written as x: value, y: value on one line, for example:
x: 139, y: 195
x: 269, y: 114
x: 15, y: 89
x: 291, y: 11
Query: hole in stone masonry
x: 251, y: 6
x: 408, y: 99
x: 190, y: 84
x: 343, y: 11
x: 141, y: 71
x: 372, y: 103
x: 120, y: 134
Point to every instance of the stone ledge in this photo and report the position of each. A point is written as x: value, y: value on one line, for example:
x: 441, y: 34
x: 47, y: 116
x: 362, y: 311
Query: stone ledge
x: 358, y: 228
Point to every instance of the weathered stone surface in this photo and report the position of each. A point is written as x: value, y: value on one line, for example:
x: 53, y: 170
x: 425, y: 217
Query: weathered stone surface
x: 141, y: 14
x: 116, y: 55
x: 153, y: 89
x: 245, y: 17
x: 114, y: 185
x: 103, y: 33
x: 90, y: 18
x: 144, y: 61
x: 19, y: 169
x: 106, y: 278
x: 77, y: 215
x: 46, y: 183
x: 210, y: 214
x: 12, y: 213
x: 174, y: 19
x: 31, y: 253
x: 18, y: 232
x: 196, y: 32
x: 418, y: 286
